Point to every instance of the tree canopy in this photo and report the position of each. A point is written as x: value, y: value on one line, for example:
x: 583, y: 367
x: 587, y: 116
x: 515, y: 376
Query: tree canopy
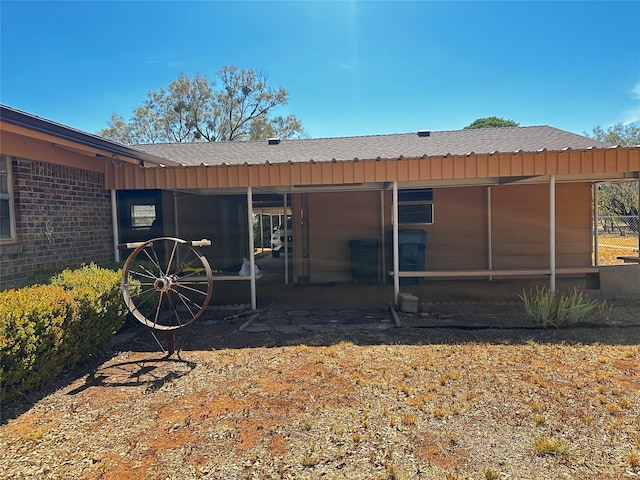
x: 491, y: 122
x: 191, y: 109
x: 618, y: 134
x: 619, y: 199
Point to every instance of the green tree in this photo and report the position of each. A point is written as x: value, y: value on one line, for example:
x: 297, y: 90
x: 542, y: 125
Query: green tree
x: 192, y: 110
x: 618, y: 134
x: 491, y: 122
x: 618, y: 199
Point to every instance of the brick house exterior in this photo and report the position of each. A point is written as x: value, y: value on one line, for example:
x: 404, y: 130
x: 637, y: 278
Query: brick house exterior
x: 55, y: 210
x: 63, y: 219
x: 515, y: 201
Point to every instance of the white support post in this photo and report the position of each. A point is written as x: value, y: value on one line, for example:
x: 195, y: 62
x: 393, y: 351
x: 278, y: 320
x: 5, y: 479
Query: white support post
x: 286, y: 243
x: 596, y: 239
x: 382, y: 242
x: 114, y: 222
x: 489, y: 238
x: 638, y: 214
x: 552, y: 232
x: 396, y: 253
x: 252, y: 258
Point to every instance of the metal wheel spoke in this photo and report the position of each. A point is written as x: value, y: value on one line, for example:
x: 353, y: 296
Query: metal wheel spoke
x: 186, y: 300
x: 187, y: 286
x: 163, y: 287
x: 154, y: 260
x: 173, y: 252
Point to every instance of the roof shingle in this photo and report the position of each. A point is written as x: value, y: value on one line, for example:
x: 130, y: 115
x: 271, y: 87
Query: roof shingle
x: 407, y: 145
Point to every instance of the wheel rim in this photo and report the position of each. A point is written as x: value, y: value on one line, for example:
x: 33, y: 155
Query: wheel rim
x: 166, y: 283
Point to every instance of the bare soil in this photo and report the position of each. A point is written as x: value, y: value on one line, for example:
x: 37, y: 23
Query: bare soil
x: 463, y: 391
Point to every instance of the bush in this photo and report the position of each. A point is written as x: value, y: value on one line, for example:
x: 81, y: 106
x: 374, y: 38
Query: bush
x: 47, y: 328
x: 102, y: 311
x: 31, y: 335
x: 551, y: 308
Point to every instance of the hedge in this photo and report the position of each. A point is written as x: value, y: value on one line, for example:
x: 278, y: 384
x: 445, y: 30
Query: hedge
x: 45, y: 329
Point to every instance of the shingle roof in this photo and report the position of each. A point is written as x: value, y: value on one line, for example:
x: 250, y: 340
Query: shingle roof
x: 407, y: 145
x: 32, y: 122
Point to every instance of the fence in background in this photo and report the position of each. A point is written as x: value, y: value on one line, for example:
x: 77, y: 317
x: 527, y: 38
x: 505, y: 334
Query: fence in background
x: 616, y: 236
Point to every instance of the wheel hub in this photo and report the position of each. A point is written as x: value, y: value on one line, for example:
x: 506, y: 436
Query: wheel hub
x: 163, y: 284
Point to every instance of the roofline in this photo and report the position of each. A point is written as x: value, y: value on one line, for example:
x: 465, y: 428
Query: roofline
x: 42, y: 125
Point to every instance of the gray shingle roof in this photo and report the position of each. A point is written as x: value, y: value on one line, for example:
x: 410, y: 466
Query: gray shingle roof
x: 408, y: 145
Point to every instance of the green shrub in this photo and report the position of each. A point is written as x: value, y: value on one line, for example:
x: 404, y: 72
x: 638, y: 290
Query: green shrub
x: 102, y: 311
x: 47, y: 328
x: 31, y: 335
x: 552, y: 308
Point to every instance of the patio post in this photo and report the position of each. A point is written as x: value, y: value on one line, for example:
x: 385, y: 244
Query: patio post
x: 382, y: 242
x: 286, y: 243
x: 489, y: 238
x: 596, y: 239
x: 552, y: 232
x: 252, y: 259
x: 396, y: 254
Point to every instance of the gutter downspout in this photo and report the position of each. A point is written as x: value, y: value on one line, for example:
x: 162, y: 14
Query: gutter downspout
x: 114, y: 223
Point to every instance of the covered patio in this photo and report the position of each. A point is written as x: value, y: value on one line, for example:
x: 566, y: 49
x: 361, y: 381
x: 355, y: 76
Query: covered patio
x: 524, y: 215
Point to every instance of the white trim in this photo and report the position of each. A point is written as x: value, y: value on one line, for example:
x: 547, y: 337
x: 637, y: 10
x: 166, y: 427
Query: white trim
x: 525, y: 272
x: 10, y: 197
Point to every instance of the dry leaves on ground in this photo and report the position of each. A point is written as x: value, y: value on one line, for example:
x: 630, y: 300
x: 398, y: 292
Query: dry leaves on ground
x: 468, y: 410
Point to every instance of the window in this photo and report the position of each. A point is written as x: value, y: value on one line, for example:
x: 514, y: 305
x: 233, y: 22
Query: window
x: 415, y: 206
x: 6, y: 202
x: 142, y: 216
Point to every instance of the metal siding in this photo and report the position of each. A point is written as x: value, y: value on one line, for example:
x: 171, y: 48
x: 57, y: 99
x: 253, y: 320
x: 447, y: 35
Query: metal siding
x: 527, y: 164
x: 347, y: 169
x: 436, y: 168
x: 459, y: 167
x: 131, y: 176
x: 358, y: 172
x: 482, y: 170
x: 610, y: 160
x: 327, y: 173
x: 403, y: 170
x: 634, y: 160
x: 471, y: 168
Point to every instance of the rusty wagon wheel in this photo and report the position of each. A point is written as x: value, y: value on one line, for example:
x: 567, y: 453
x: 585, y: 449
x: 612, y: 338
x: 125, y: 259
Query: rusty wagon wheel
x: 167, y: 283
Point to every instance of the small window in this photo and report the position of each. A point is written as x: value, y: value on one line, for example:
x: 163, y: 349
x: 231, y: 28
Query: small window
x: 415, y: 207
x: 142, y: 216
x: 7, y: 229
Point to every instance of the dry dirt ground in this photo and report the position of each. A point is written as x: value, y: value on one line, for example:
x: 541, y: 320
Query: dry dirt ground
x: 469, y: 391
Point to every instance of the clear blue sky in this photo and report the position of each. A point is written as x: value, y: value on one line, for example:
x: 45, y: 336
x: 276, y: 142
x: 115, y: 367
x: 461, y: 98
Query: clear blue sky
x: 351, y: 68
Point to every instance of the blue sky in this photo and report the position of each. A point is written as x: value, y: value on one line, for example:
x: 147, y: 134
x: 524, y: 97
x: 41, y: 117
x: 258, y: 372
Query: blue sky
x: 351, y: 68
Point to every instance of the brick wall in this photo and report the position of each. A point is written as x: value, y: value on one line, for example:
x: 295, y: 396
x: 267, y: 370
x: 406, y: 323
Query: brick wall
x: 63, y: 219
